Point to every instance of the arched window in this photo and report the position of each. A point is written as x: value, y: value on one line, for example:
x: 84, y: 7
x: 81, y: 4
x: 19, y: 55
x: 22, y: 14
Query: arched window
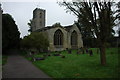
x: 58, y: 38
x: 74, y: 40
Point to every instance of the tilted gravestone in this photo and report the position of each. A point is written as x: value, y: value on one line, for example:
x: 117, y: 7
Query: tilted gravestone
x: 62, y: 56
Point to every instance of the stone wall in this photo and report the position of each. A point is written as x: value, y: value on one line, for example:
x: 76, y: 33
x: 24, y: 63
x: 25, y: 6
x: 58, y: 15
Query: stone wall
x: 80, y: 41
x: 38, y: 20
x: 66, y: 38
x: 51, y: 39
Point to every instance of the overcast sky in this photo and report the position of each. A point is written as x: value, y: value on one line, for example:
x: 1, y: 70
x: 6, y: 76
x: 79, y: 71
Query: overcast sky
x: 22, y: 12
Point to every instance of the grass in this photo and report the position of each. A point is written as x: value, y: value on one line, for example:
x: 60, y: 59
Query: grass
x: 80, y: 66
x: 4, y: 59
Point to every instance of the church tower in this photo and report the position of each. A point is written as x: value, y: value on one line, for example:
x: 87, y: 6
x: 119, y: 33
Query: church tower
x: 38, y: 20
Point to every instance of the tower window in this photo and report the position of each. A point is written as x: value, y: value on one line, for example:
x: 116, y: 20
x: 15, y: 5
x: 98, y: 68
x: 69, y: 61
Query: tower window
x: 40, y: 15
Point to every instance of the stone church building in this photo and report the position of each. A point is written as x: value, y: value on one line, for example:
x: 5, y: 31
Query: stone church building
x: 60, y: 37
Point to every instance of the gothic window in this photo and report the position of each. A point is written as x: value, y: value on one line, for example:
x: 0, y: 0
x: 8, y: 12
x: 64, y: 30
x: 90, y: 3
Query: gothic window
x: 74, y: 39
x: 58, y: 38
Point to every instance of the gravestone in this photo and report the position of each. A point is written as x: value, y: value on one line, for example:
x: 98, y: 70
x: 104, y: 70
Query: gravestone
x: 32, y: 52
x: 49, y: 55
x: 78, y: 51
x: 91, y: 52
x: 56, y: 54
x: 83, y: 51
x: 40, y: 58
x: 62, y: 56
x: 87, y: 50
x: 69, y: 51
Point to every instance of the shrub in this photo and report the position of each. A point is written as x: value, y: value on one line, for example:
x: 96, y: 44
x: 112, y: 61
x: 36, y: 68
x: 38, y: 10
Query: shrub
x: 35, y: 40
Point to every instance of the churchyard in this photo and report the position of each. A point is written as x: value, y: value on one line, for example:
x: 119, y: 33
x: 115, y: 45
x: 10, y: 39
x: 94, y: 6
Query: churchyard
x: 75, y: 64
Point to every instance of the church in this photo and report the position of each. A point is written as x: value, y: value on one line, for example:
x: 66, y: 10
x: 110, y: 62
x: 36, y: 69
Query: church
x: 60, y: 37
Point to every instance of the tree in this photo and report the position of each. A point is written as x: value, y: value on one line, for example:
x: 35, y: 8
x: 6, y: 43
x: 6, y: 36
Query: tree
x: 30, y: 25
x: 57, y: 24
x: 87, y: 36
x: 97, y: 17
x: 35, y: 40
x: 10, y: 33
x: 26, y: 42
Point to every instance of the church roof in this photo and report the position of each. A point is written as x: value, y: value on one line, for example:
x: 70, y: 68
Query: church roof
x: 45, y: 28
x: 67, y: 28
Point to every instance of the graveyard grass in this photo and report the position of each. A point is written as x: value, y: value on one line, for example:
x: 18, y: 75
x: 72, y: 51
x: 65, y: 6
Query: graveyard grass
x: 80, y: 66
x: 4, y: 59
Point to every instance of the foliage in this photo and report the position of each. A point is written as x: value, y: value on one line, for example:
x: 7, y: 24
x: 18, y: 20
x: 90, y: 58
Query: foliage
x: 79, y: 66
x: 97, y: 17
x: 10, y: 33
x: 30, y: 25
x: 4, y: 59
x: 57, y: 24
x: 35, y: 40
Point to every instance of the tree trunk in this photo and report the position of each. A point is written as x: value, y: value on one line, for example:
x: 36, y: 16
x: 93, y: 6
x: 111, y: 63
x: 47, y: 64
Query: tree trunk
x: 102, y: 54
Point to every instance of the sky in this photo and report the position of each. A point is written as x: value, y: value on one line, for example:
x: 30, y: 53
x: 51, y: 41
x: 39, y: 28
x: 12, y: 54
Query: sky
x: 22, y: 12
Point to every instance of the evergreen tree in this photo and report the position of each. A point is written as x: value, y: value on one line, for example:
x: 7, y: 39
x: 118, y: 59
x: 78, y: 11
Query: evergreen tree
x: 10, y: 33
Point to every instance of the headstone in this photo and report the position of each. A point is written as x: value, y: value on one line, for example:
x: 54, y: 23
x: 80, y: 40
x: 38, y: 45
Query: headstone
x: 49, y: 55
x: 78, y: 51
x: 83, y: 51
x: 32, y: 52
x: 91, y: 52
x: 62, y: 56
x: 56, y: 54
x: 87, y: 51
x: 69, y: 51
x: 34, y: 59
x: 40, y: 58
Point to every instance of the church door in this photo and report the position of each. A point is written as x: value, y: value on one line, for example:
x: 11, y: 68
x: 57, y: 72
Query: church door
x: 74, y: 39
x: 58, y: 39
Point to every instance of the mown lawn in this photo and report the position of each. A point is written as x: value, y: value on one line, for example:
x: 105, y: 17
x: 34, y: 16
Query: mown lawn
x: 80, y: 66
